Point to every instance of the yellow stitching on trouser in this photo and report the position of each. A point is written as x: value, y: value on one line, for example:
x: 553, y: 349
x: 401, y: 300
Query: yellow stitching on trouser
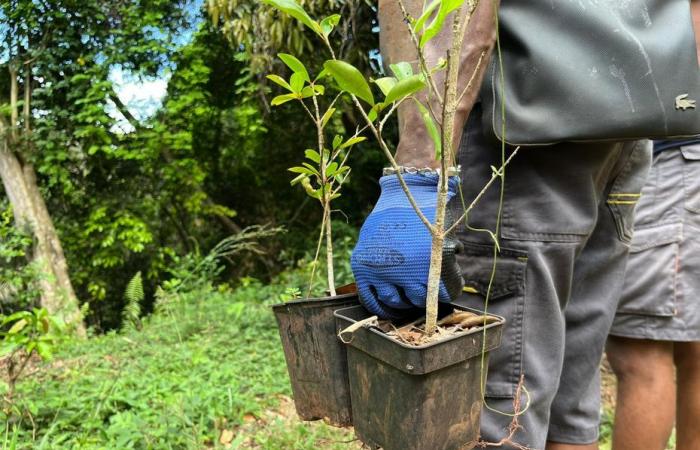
x: 625, y: 195
x: 615, y: 199
x: 622, y: 202
x: 469, y: 290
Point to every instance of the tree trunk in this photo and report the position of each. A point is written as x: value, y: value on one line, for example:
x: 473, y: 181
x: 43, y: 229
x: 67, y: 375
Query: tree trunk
x: 32, y: 216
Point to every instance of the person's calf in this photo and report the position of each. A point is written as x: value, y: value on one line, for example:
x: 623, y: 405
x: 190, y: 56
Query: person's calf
x: 645, y: 409
x: 687, y: 357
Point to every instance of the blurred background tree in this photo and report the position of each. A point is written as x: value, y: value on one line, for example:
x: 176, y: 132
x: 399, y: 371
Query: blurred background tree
x: 135, y: 187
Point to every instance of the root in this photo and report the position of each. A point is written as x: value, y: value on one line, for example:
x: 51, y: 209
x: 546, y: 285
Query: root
x: 514, y: 426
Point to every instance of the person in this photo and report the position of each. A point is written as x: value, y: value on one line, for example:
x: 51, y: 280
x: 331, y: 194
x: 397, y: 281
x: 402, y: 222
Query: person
x: 654, y: 342
x: 564, y: 226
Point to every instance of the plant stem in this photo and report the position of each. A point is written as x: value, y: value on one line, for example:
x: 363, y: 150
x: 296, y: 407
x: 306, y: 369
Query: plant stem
x: 329, y: 250
x: 448, y: 119
x: 327, y: 191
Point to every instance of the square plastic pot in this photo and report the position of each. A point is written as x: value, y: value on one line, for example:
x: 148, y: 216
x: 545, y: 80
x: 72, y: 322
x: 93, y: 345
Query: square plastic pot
x: 316, y: 359
x: 416, y: 397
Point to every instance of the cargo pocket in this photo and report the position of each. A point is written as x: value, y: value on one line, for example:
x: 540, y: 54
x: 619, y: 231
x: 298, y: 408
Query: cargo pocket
x: 691, y: 177
x: 506, y: 299
x: 651, y: 282
x: 626, y: 191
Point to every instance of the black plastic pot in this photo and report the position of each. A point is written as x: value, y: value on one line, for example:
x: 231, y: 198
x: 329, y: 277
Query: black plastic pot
x: 316, y: 359
x: 423, y: 398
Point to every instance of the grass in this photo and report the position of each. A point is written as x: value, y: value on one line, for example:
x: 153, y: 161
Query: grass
x: 206, y: 371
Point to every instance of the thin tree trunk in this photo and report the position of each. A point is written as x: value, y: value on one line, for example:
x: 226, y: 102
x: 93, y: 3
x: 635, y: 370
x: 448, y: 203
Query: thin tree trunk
x: 31, y: 215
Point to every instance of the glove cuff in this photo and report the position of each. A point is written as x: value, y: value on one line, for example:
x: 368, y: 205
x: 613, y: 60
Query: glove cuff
x: 419, y: 181
x: 451, y: 171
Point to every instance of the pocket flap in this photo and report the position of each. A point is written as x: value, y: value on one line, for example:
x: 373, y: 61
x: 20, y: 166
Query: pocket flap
x: 476, y: 262
x: 646, y: 238
x: 691, y: 151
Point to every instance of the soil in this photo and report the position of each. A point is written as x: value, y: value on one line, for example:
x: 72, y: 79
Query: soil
x: 456, y: 323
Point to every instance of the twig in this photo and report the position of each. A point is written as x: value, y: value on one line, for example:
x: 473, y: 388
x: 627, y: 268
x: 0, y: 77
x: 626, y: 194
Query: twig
x: 394, y: 165
x: 495, y: 175
x: 421, y: 56
x: 514, y: 426
x: 473, y: 77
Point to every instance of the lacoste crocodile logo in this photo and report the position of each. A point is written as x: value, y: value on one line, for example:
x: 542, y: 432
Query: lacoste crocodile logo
x: 683, y: 102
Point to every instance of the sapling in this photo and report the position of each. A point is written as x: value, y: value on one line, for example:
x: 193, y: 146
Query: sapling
x: 437, y: 103
x: 325, y: 168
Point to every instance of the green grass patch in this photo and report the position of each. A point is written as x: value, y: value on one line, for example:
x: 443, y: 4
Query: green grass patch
x: 206, y: 367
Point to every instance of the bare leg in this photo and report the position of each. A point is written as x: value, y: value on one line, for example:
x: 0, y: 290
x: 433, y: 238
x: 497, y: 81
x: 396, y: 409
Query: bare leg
x: 646, y: 393
x: 415, y: 147
x: 687, y: 357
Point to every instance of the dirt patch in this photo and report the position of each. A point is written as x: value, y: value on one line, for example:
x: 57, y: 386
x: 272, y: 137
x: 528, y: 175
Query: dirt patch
x: 243, y: 436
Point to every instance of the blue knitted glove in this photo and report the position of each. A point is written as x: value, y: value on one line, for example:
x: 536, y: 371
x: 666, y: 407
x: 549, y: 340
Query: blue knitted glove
x: 392, y: 256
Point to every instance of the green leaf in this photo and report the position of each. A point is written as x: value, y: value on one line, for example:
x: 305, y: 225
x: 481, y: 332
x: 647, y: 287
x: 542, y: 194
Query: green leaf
x: 293, y: 63
x: 385, y: 84
x: 313, y: 155
x: 311, y: 168
x: 432, y: 129
x: 329, y: 23
x: 401, y: 70
x: 297, y: 82
x: 331, y: 169
x: 337, y: 140
x: 295, y: 10
x: 404, y: 88
x: 446, y: 7
x: 353, y: 141
x: 326, y: 117
x: 373, y: 114
x: 18, y: 326
x: 280, y: 81
x: 301, y: 170
x: 350, y: 79
x: 308, y: 91
x: 420, y: 23
x: 321, y: 74
x: 44, y: 350
x: 280, y: 99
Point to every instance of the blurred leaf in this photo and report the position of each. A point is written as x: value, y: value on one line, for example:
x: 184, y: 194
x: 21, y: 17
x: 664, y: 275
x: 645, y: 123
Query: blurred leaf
x: 446, y: 7
x: 432, y: 129
x: 420, y: 23
x: 352, y: 141
x: 280, y: 81
x: 329, y: 23
x: 385, y: 84
x: 326, y: 117
x: 293, y: 63
x: 280, y: 99
x: 350, y: 79
x: 404, y: 88
x: 401, y: 70
x: 313, y: 155
x: 295, y: 10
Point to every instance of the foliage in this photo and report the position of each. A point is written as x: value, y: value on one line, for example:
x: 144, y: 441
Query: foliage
x: 130, y: 193
x: 209, y: 363
x: 24, y: 334
x: 133, y: 296
x: 18, y: 288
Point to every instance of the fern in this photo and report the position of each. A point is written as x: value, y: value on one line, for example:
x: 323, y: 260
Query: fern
x: 133, y: 295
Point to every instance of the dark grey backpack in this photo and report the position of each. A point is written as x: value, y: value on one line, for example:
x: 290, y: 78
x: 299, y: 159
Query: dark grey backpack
x: 589, y: 70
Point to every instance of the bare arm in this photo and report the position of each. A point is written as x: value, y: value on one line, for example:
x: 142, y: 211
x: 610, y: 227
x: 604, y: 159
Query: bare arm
x: 415, y: 147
